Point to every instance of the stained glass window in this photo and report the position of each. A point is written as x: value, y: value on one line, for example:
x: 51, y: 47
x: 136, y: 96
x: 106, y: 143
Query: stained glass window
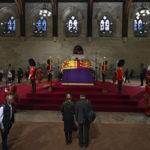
x: 9, y: 28
x: 40, y: 27
x: 140, y: 23
x: 12, y: 24
x: 105, y: 26
x: 72, y: 25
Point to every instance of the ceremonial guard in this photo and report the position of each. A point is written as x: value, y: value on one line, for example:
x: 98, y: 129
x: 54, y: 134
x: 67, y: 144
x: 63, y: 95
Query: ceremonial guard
x: 147, y: 92
x: 148, y: 74
x: 104, y: 71
x: 48, y: 70
x: 120, y: 75
x: 32, y: 74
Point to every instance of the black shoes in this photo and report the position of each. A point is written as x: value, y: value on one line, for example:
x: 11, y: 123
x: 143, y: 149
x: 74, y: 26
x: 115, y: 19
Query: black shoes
x: 68, y: 141
x: 81, y: 145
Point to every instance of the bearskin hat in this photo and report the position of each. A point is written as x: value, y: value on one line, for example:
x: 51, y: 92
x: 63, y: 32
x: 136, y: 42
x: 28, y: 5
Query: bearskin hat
x: 31, y: 62
x: 106, y: 62
x: 121, y: 63
x: 48, y: 61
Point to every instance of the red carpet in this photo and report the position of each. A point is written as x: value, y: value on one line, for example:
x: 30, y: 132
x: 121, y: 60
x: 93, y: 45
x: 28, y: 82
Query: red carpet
x: 132, y: 99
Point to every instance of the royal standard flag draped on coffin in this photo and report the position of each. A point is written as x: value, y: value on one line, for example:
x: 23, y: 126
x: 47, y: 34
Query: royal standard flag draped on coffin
x: 75, y: 64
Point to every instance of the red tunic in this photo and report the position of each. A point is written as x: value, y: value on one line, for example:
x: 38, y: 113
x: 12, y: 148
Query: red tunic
x: 32, y: 73
x: 147, y: 89
x: 48, y: 69
x: 147, y: 76
x: 120, y: 74
x: 104, y: 71
x: 147, y: 99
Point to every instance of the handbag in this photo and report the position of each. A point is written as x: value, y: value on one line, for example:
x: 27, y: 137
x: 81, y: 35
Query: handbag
x: 91, y: 114
x: 75, y: 128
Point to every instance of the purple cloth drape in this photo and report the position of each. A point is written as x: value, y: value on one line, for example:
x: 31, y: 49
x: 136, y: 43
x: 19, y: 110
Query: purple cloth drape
x: 77, y: 76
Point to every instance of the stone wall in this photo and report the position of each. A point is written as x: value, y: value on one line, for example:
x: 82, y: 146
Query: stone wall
x: 17, y: 50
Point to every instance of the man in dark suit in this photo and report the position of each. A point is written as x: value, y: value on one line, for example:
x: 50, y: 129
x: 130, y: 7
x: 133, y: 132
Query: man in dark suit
x: 6, y: 119
x: 82, y: 109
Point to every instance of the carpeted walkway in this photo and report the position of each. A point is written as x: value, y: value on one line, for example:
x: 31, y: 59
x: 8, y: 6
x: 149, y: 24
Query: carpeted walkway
x: 132, y: 99
x: 50, y: 136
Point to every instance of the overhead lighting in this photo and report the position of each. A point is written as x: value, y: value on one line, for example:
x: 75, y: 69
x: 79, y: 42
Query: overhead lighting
x: 144, y: 14
x: 45, y: 13
x: 144, y: 10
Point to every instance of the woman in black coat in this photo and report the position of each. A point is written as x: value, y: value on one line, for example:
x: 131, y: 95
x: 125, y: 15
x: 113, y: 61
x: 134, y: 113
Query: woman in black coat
x: 68, y: 111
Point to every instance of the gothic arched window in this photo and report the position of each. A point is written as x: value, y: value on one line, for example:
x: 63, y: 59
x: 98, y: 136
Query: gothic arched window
x: 105, y: 26
x: 40, y: 27
x: 72, y: 26
x: 9, y: 28
x: 12, y: 24
x: 140, y: 23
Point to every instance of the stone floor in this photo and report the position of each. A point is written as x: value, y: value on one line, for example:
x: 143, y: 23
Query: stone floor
x: 101, y: 117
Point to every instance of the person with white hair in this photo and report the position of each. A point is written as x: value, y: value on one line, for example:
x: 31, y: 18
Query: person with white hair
x: 6, y: 119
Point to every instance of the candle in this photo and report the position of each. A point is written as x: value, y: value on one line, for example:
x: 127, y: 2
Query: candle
x: 96, y: 62
x: 50, y: 63
x: 104, y: 63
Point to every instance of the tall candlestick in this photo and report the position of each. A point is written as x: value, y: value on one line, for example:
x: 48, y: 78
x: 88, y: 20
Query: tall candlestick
x: 104, y: 63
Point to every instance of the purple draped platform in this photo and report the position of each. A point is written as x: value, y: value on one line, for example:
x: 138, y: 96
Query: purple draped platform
x: 77, y: 76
